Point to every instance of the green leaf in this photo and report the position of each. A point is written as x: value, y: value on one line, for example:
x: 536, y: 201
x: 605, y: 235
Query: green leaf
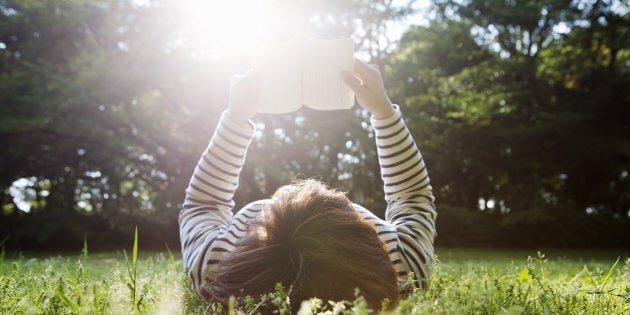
x: 524, y: 276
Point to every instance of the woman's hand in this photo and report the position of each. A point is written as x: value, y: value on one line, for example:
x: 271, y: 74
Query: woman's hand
x: 244, y: 96
x: 367, y: 84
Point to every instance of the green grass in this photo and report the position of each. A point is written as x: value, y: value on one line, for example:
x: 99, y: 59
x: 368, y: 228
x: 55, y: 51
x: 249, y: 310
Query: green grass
x: 464, y: 282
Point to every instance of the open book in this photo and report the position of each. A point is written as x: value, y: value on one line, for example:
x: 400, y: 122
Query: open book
x: 304, y: 71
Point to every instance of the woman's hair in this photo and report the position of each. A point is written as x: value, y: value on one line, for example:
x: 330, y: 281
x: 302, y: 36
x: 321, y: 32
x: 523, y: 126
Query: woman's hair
x: 311, y: 240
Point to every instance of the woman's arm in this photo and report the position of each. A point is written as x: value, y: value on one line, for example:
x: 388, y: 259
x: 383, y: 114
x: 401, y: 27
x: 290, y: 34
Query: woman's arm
x: 207, y: 210
x: 407, y: 190
x: 410, y: 201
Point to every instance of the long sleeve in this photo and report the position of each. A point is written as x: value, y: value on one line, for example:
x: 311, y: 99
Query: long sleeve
x: 206, y: 214
x: 410, y: 201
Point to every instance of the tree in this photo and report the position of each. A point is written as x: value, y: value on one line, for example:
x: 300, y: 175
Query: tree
x: 106, y: 105
x: 522, y: 102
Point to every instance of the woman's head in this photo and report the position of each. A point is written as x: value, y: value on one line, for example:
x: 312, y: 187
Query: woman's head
x: 310, y: 239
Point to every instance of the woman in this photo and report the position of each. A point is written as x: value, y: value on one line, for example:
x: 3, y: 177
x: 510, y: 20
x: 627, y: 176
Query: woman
x: 309, y: 237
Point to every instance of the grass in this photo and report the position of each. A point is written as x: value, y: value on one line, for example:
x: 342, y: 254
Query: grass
x: 465, y: 282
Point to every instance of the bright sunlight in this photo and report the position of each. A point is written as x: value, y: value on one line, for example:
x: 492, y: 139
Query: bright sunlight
x: 234, y: 25
x: 224, y: 22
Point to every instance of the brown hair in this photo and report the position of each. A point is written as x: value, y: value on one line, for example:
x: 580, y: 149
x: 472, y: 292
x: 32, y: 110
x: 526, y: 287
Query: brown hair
x: 311, y: 240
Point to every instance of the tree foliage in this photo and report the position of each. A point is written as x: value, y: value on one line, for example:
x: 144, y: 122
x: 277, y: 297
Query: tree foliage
x: 521, y: 103
x: 105, y: 107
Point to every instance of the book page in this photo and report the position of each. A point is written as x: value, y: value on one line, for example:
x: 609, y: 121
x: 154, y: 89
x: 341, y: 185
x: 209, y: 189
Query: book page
x: 279, y: 64
x: 322, y: 62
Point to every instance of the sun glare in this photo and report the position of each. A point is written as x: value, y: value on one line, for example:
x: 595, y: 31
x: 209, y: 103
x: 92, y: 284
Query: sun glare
x: 229, y: 24
x: 224, y: 22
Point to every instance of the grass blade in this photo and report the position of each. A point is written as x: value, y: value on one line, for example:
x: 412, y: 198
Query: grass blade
x: 84, y: 251
x: 134, y: 258
x: 65, y: 299
x: 134, y: 263
x: 5, y: 239
x: 609, y: 273
x: 128, y: 265
x: 170, y: 254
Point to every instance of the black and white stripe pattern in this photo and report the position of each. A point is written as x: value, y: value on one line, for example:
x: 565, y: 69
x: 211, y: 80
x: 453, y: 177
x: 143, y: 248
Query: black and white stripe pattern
x: 208, y: 230
x: 410, y: 201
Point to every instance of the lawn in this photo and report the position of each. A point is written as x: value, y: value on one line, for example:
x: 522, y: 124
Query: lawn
x: 465, y: 282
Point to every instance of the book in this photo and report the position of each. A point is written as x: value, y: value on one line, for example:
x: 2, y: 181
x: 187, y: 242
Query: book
x: 304, y: 71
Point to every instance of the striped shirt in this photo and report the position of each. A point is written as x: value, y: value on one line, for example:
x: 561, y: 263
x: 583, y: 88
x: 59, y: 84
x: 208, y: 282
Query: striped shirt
x: 209, y: 229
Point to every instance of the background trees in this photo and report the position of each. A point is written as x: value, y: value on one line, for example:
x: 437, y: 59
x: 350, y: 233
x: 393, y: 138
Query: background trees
x: 520, y: 108
x: 524, y: 113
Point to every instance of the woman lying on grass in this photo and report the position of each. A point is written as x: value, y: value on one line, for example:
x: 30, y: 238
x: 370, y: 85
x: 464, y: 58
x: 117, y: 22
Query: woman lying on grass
x: 308, y: 237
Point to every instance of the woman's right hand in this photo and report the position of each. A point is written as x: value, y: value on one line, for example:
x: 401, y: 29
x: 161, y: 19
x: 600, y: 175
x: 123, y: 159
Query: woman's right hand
x: 367, y: 83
